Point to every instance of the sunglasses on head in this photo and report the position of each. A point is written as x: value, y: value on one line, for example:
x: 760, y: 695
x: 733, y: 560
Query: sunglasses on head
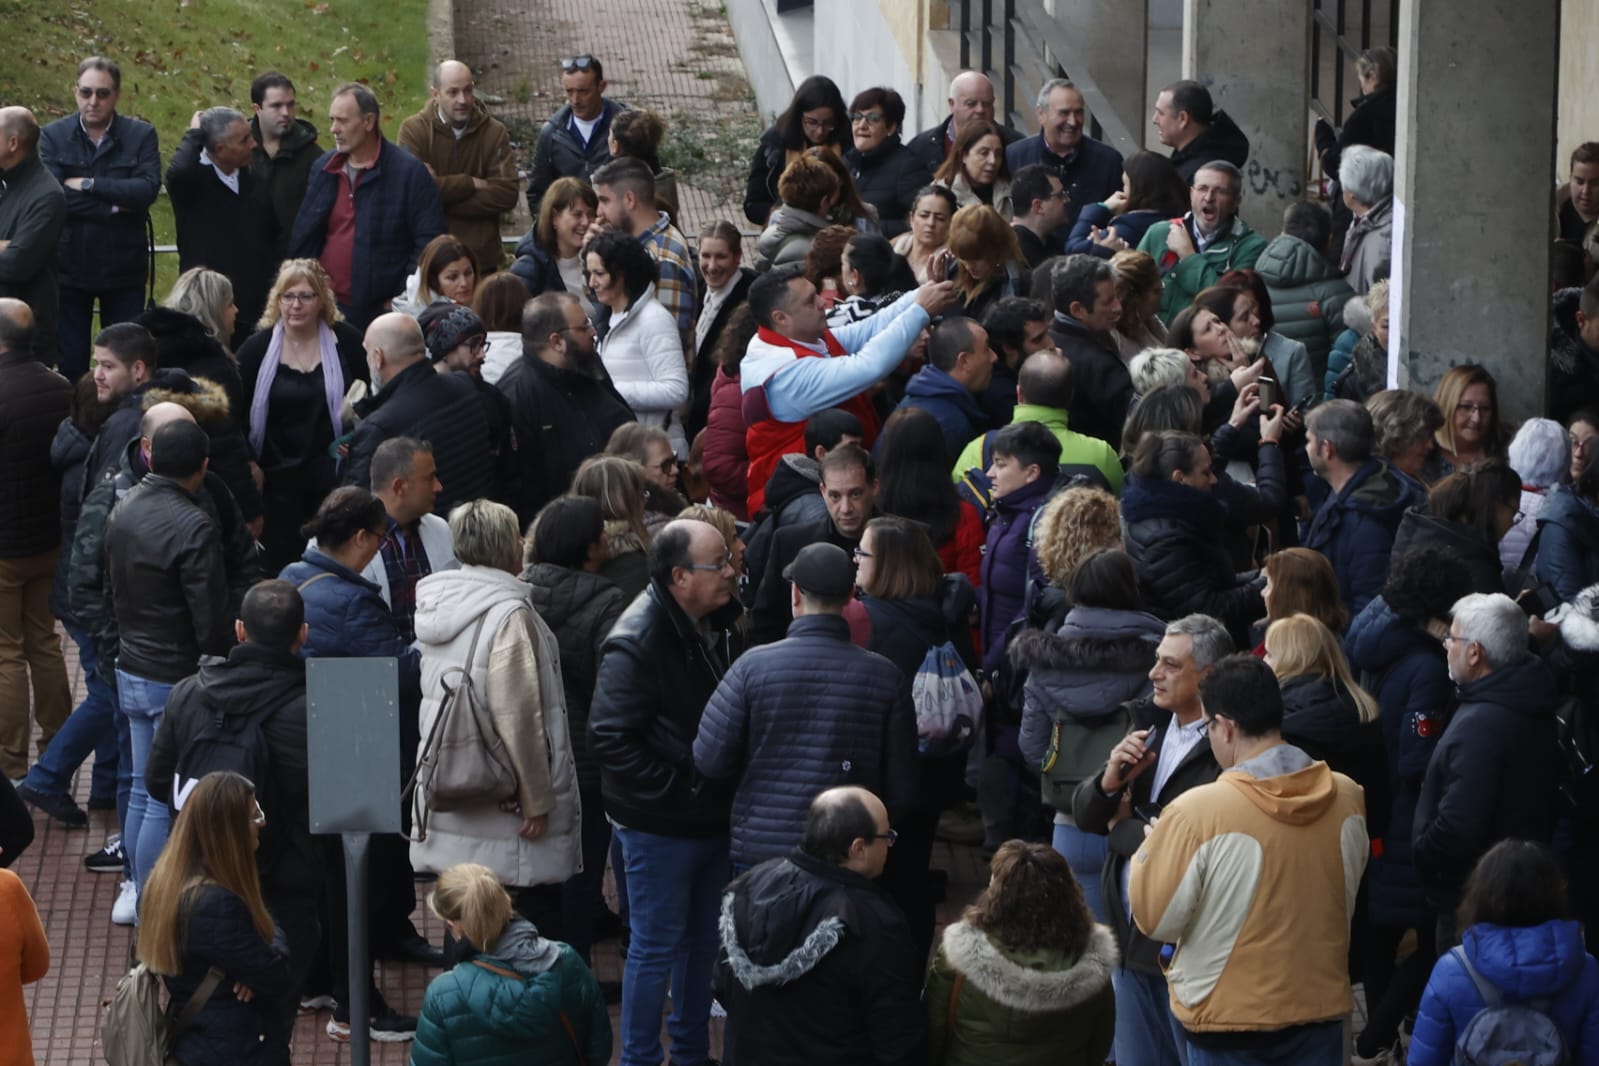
x: 571, y: 63
x: 101, y: 93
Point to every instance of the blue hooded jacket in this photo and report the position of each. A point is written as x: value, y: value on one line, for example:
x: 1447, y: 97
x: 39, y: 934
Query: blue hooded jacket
x: 1528, y: 962
x: 1355, y: 529
x: 1568, y: 544
x: 958, y: 413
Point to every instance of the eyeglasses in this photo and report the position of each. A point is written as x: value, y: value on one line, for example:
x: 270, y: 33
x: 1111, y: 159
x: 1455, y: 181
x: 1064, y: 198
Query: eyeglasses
x: 84, y: 93
x: 1474, y: 408
x: 890, y: 835
x: 298, y: 297
x: 259, y: 818
x: 1520, y: 514
x: 477, y: 344
x: 713, y: 568
x: 1450, y: 638
x: 383, y: 538
x: 667, y: 465
x: 571, y: 63
x: 871, y: 118
x: 820, y: 125
x: 861, y: 554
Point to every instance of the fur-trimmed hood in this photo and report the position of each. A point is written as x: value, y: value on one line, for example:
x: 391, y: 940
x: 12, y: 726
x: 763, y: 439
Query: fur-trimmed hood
x: 791, y: 967
x: 205, y: 399
x: 1092, y: 639
x: 622, y: 538
x: 1579, y: 621
x: 1038, y: 987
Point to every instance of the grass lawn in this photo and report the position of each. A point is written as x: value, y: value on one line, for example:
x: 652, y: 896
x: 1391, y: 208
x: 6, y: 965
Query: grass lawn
x: 177, y: 60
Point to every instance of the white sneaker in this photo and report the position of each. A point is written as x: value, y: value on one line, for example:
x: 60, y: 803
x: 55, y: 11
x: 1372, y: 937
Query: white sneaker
x: 126, y: 909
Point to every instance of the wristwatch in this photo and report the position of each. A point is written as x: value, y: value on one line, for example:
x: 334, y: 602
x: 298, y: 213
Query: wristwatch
x: 88, y: 184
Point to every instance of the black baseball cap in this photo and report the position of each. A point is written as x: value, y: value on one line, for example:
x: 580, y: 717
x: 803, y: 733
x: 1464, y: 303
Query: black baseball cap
x: 824, y: 570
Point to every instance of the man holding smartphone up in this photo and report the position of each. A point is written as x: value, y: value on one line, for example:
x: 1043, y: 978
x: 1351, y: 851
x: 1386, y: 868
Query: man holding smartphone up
x: 1164, y: 756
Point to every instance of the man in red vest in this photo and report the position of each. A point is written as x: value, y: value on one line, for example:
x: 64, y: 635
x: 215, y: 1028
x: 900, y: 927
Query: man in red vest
x: 795, y: 366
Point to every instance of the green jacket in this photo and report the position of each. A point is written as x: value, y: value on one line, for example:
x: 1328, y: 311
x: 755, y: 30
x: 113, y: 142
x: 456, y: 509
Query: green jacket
x: 1075, y: 448
x: 474, y: 1016
x: 986, y: 1005
x: 1307, y: 296
x: 1237, y: 250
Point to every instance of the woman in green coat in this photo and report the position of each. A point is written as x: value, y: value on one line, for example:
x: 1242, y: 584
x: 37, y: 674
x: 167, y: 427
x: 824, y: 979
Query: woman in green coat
x: 1024, y: 976
x: 522, y: 999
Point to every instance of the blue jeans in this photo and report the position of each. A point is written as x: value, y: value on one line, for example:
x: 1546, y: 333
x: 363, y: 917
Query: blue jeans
x: 1085, y: 854
x: 91, y: 727
x: 675, y: 891
x: 144, y: 832
x: 1304, y: 1045
x: 1146, y: 1032
x: 77, y: 314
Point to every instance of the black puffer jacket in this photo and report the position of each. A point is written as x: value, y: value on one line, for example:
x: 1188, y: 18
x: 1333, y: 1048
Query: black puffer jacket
x: 816, y: 966
x: 182, y: 343
x: 217, y: 931
x: 580, y: 608
x: 442, y: 409
x: 1573, y: 366
x: 1102, y: 388
x: 655, y: 678
x: 1323, y: 721
x: 1222, y: 139
x: 1422, y: 529
x: 33, y: 403
x: 68, y: 452
x: 1174, y: 534
x: 887, y: 177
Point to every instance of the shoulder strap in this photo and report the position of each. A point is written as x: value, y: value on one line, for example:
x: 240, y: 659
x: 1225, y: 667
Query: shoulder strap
x: 312, y: 580
x: 954, y: 998
x: 1531, y: 553
x: 1485, y: 988
x: 566, y: 1023
x: 213, y: 978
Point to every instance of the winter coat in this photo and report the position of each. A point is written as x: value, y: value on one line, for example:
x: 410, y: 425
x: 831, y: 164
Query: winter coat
x: 217, y: 931
x: 1008, y: 565
x: 1079, y: 452
x: 703, y: 372
x: 887, y: 177
x: 182, y: 343
x: 285, y: 175
x: 1542, y: 962
x: 25, y: 951
x: 1237, y: 249
x: 1291, y: 362
x: 966, y: 196
x: 1421, y: 529
x: 766, y: 167
x: 1222, y: 139
x: 628, y: 565
x: 656, y: 676
x: 233, y: 233
x: 950, y: 403
x: 527, y: 1000
x: 795, y: 718
x: 1322, y: 720
x: 443, y: 410
x: 1492, y: 777
x: 1102, y: 390
x: 770, y: 614
x: 580, y: 608
x: 1369, y: 245
x: 816, y: 966
x: 516, y: 673
x: 1024, y: 1007
x: 933, y: 144
x: 254, y: 679
x: 1130, y: 227
x: 1573, y: 366
x: 558, y: 153
x: 1404, y: 669
x: 1173, y: 533
x: 726, y: 459
x: 1356, y: 526
x: 347, y: 618
x: 397, y: 212
x: 538, y: 269
x: 1307, y: 296
x: 483, y: 151
x: 1091, y: 173
x: 68, y: 452
x: 793, y: 498
x: 102, y: 248
x: 32, y: 215
x: 643, y: 354
x: 1078, y: 678
x: 1568, y: 544
x: 34, y: 402
x: 786, y: 240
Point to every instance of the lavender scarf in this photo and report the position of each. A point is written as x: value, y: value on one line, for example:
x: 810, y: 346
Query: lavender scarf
x: 332, y: 382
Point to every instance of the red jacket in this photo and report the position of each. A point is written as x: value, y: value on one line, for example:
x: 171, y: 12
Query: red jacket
x: 725, y: 464
x: 963, y: 552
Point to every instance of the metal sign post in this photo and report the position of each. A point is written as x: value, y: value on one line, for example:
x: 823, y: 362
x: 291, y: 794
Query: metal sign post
x: 353, y: 749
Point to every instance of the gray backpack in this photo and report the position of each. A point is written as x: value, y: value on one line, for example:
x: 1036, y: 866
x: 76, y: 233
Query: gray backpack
x: 1504, y: 1033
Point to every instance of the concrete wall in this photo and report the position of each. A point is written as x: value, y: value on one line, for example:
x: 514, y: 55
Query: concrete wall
x: 1579, y: 79
x: 862, y: 43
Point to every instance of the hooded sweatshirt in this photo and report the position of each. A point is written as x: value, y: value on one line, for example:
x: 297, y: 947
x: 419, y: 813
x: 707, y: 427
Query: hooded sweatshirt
x: 1245, y: 873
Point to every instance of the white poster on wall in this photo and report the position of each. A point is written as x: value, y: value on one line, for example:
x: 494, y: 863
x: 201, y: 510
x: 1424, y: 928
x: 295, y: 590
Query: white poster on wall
x: 1396, y: 293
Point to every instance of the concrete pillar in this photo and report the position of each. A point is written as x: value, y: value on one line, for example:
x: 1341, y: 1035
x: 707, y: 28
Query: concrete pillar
x: 1111, y: 39
x: 1472, y: 225
x: 1254, y: 56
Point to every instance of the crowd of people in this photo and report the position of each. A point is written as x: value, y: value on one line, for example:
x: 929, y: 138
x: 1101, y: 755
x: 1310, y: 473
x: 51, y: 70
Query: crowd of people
x: 1010, y: 475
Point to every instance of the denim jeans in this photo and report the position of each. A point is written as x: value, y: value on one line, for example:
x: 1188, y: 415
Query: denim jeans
x: 1146, y: 1032
x: 77, y: 313
x: 1085, y: 854
x: 144, y: 832
x: 1304, y: 1045
x: 675, y: 891
x: 91, y: 727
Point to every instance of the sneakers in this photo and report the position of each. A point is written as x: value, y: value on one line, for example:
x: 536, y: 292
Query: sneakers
x: 387, y: 1028
x: 126, y: 908
x: 108, y: 859
x: 59, y: 807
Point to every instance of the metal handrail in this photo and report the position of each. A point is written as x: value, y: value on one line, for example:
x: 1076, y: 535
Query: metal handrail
x: 1107, y: 125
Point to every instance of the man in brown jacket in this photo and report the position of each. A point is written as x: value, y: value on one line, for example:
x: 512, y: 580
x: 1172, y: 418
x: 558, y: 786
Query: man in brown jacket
x: 469, y: 155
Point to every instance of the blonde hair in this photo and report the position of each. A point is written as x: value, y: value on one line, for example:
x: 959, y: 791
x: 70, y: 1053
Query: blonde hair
x: 471, y: 896
x: 1451, y: 390
x: 1075, y: 524
x: 485, y: 533
x: 618, y: 486
x: 1136, y: 277
x: 1154, y: 367
x: 312, y: 273
x: 1300, y: 645
x: 205, y: 295
x: 210, y: 845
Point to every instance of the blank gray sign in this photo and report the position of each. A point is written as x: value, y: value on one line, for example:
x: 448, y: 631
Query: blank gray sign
x: 353, y: 744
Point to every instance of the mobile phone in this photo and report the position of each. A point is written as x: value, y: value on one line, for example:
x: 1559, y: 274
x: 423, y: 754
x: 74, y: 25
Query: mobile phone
x: 1149, y: 749
x: 1268, y: 392
x: 952, y: 267
x: 1147, y: 811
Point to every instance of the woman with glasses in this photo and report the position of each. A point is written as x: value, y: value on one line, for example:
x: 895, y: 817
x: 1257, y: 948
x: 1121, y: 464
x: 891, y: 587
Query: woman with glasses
x: 1467, y: 513
x: 651, y: 448
x: 816, y: 117
x: 296, y: 373
x: 885, y: 171
x: 1568, y: 534
x: 1472, y: 432
x: 201, y: 913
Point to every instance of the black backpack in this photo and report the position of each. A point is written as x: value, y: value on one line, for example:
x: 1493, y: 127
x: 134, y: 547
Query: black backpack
x: 224, y: 743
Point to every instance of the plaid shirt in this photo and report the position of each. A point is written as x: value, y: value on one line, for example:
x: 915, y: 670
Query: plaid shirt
x: 677, y: 288
x: 406, y: 562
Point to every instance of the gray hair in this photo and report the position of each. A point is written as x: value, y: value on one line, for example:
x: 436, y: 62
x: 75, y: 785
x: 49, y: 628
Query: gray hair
x: 395, y: 458
x: 1540, y: 453
x: 215, y: 122
x: 365, y: 99
x: 1221, y: 166
x: 1211, y: 641
x: 1075, y: 279
x: 967, y: 73
x: 1494, y: 623
x: 1366, y: 173
x: 1345, y: 425
x: 485, y: 533
x: 1050, y: 86
x: 1382, y: 61
x: 1154, y: 367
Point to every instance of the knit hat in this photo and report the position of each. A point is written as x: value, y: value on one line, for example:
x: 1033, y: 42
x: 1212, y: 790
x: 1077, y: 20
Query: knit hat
x: 446, y: 326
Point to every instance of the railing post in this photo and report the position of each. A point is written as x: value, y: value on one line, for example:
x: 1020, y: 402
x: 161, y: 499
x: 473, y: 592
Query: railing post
x: 1010, y: 60
x: 988, y: 36
x: 966, y: 34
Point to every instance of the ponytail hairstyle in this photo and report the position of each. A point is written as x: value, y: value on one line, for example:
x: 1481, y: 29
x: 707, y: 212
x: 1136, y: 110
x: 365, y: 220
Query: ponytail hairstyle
x: 472, y: 897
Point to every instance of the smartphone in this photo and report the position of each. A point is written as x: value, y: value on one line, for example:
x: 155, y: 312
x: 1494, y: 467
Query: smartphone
x: 1149, y: 749
x: 1147, y: 811
x: 1268, y: 393
x: 952, y: 268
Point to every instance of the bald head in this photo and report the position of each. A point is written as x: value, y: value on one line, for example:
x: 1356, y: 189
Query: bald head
x: 393, y: 342
x: 1045, y: 379
x: 156, y: 416
x: 16, y: 326
x: 971, y: 95
x: 453, y: 92
x: 848, y: 827
x: 19, y: 135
